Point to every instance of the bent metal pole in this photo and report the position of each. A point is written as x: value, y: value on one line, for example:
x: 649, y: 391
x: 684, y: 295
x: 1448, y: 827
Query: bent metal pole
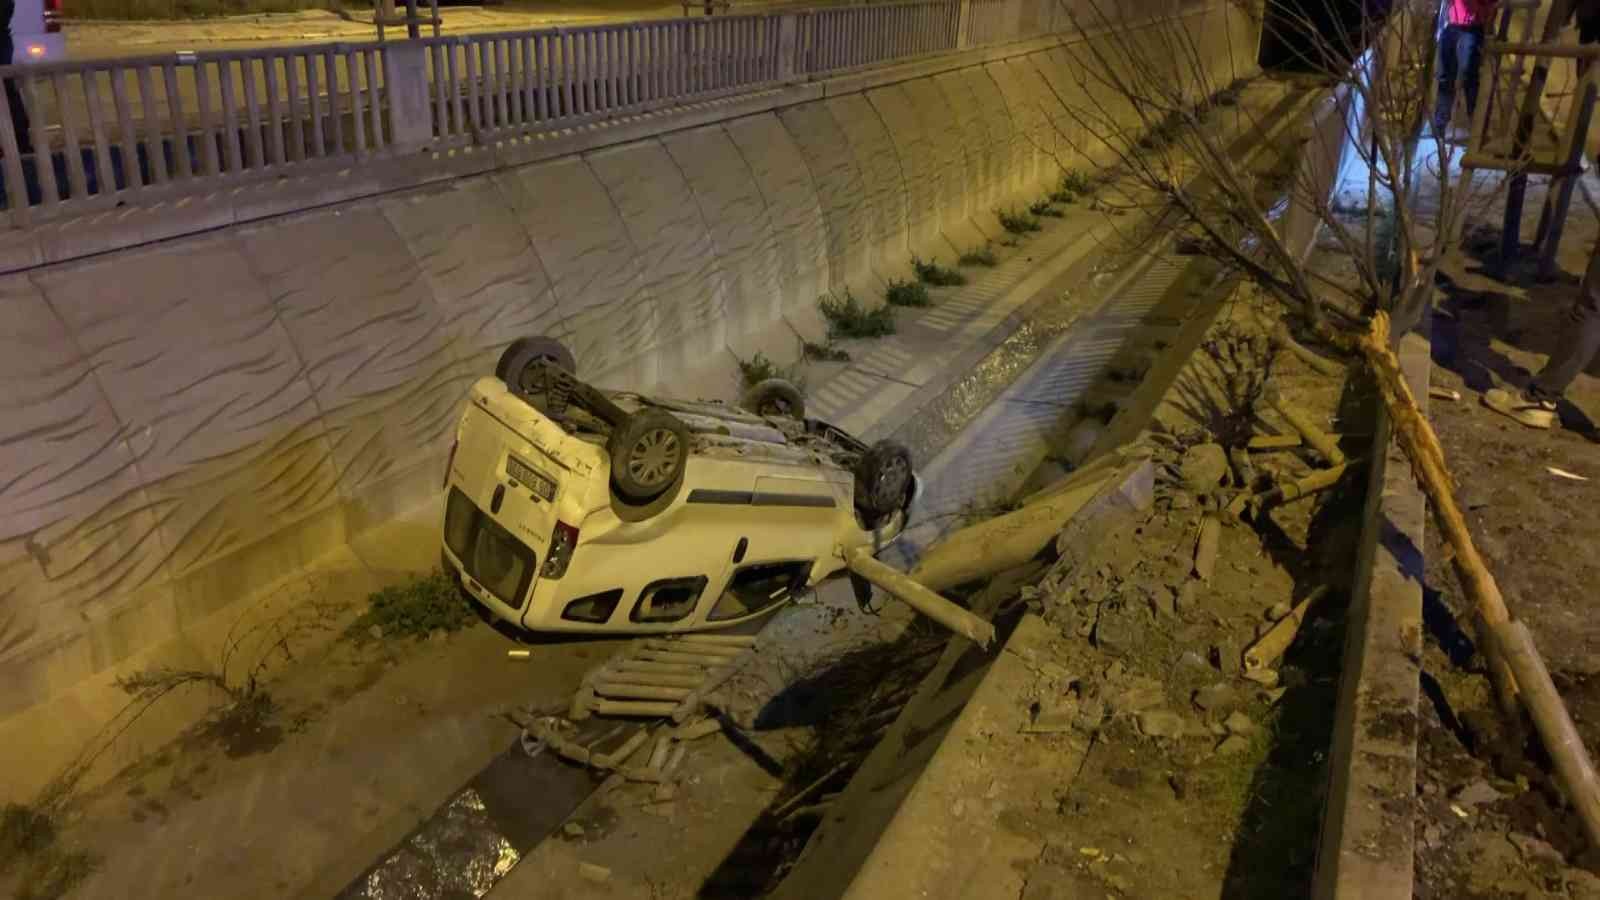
x: 919, y: 598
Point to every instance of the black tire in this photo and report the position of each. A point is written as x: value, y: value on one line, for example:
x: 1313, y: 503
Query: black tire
x: 883, y: 481
x: 774, y: 397
x: 648, y: 453
x: 525, y: 350
x: 547, y: 391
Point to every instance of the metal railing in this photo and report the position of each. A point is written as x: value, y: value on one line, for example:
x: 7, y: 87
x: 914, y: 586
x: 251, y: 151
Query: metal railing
x: 115, y: 130
x: 91, y: 135
x: 485, y: 86
x: 850, y: 36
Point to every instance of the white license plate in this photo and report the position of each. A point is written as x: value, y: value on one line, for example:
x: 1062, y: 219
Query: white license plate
x: 542, y: 485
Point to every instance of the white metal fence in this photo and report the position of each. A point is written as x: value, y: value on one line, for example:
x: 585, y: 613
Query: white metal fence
x: 82, y: 136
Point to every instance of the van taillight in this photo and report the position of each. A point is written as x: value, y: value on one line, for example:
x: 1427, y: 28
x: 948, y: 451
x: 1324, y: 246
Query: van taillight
x: 450, y: 462
x: 563, y: 539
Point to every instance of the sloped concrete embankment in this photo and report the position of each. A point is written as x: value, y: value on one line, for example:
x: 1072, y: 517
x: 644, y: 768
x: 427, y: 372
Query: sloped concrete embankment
x: 194, y: 425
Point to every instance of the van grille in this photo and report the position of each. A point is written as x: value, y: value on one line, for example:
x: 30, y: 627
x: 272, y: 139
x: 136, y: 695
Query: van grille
x: 491, y: 555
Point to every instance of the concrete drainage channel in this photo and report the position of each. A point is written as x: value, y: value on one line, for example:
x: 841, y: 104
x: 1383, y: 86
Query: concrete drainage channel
x: 1059, y: 358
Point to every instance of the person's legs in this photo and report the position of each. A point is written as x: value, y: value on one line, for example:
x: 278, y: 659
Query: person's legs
x: 1469, y: 52
x: 1575, y: 349
x: 1447, y: 79
x: 1581, y: 341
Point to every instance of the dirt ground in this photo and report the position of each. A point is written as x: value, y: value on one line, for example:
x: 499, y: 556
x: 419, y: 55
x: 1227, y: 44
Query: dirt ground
x: 1200, y: 781
x: 1493, y: 822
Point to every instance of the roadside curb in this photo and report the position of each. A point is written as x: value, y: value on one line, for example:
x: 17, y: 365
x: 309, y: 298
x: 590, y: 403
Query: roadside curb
x: 1366, y: 850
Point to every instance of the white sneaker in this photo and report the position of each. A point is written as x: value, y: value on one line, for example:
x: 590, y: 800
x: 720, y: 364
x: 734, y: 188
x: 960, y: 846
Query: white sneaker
x: 1522, y: 407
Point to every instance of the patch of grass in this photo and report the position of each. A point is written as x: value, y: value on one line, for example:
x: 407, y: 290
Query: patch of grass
x: 849, y: 318
x: 54, y: 873
x: 1077, y: 181
x: 24, y: 831
x: 1016, y: 222
x: 1072, y: 185
x: 979, y: 256
x: 1043, y: 208
x: 416, y: 609
x: 937, y: 275
x: 908, y: 293
x: 1162, y: 133
x: 29, y: 838
x: 823, y: 352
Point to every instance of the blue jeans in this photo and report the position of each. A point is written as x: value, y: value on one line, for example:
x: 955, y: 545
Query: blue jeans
x: 1460, y: 48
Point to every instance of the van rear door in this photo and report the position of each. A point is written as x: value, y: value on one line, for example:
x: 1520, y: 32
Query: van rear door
x: 503, y: 501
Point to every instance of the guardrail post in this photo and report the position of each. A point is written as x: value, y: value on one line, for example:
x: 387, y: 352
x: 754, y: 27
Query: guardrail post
x: 405, y: 81
x: 964, y: 26
x: 788, y: 44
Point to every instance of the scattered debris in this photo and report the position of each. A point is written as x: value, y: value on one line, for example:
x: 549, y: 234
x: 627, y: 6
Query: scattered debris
x: 1205, y: 547
x: 1267, y: 678
x: 1442, y: 393
x: 1204, y: 467
x: 1271, y: 646
x: 665, y: 676
x: 1310, y: 432
x: 1322, y: 365
x: 1232, y: 745
x: 1274, y: 442
x: 1239, y: 723
x: 519, y: 654
x: 593, y: 873
x: 1563, y: 473
x: 1476, y: 794
x: 1215, y: 697
x: 1162, y: 723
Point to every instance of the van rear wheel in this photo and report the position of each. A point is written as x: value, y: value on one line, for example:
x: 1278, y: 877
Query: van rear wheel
x: 648, y: 454
x: 539, y: 369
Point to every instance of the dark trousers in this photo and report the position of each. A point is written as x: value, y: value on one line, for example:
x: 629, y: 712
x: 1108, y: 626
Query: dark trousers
x: 19, y: 112
x: 1580, y: 340
x: 1460, y: 48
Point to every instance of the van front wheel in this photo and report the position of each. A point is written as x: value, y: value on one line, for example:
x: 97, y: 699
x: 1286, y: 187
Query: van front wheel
x: 775, y: 397
x: 648, y: 453
x: 883, y: 481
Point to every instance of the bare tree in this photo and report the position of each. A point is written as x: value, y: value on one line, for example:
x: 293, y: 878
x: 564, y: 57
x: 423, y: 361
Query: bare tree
x: 1146, y: 91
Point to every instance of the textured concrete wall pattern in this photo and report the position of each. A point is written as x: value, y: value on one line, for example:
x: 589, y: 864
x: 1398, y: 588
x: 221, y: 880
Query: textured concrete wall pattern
x: 189, y: 423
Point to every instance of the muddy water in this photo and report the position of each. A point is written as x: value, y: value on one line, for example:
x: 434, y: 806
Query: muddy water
x: 470, y: 842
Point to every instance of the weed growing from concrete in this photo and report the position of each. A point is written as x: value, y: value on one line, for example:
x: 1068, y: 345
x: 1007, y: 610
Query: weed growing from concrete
x: 760, y: 368
x: 1016, y: 222
x: 908, y: 293
x: 1043, y: 208
x: 1072, y: 185
x: 1162, y: 134
x: 937, y: 275
x: 979, y: 256
x: 823, y: 352
x: 415, y: 609
x: 29, y: 839
x: 849, y: 318
x: 54, y: 874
